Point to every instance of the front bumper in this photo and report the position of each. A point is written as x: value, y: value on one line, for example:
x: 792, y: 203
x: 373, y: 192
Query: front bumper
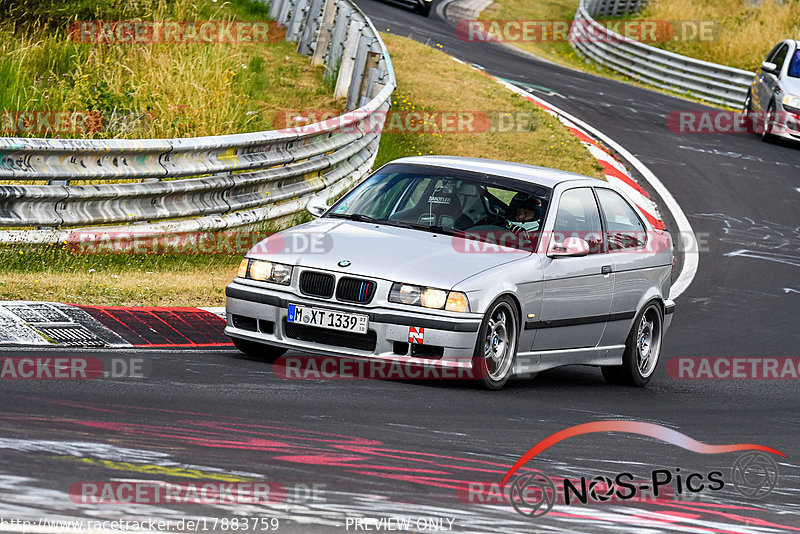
x: 787, y: 128
x: 669, y: 310
x: 259, y: 314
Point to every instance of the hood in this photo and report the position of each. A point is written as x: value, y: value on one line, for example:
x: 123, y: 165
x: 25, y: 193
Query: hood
x: 377, y: 251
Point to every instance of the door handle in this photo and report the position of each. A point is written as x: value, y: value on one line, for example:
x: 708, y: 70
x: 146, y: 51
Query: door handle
x: 606, y: 269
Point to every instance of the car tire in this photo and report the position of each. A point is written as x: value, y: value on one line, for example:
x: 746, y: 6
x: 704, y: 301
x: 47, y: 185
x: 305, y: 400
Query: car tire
x: 496, y: 346
x: 642, y: 349
x: 425, y: 9
x: 258, y: 350
x: 766, y: 132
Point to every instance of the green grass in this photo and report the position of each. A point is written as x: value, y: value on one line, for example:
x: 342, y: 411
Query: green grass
x: 148, y: 90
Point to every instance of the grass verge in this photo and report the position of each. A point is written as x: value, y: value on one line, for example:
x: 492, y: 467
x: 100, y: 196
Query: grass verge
x: 745, y: 31
x: 561, y: 52
x: 148, y: 89
x: 506, y: 126
x: 428, y: 81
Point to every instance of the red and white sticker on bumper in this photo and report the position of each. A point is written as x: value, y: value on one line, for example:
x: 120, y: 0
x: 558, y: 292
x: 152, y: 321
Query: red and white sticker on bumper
x: 415, y: 334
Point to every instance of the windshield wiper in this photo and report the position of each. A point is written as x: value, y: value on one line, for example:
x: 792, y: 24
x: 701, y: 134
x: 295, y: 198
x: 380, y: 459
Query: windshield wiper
x: 358, y: 217
x: 437, y: 229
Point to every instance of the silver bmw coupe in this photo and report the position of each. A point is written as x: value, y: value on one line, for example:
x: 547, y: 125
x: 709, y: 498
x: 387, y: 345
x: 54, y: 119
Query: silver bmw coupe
x: 503, y: 268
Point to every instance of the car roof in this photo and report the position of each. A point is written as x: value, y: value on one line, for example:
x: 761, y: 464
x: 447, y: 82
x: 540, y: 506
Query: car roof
x: 789, y: 41
x: 519, y: 171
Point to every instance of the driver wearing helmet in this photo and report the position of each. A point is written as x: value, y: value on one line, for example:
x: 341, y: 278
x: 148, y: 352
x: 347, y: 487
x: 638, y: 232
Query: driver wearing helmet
x: 524, y: 213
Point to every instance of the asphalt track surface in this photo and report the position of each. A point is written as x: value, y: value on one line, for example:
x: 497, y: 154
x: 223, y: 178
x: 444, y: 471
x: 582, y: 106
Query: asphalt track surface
x: 404, y: 449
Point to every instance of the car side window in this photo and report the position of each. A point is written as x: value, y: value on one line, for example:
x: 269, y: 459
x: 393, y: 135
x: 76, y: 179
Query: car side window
x: 624, y: 229
x: 773, y: 52
x: 578, y: 216
x: 780, y: 57
x: 794, y: 66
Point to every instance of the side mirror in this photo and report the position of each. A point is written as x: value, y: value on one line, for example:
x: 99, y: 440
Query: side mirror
x: 569, y: 248
x: 317, y: 206
x: 767, y: 66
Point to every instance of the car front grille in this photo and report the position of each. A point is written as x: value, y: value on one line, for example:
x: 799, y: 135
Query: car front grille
x: 355, y: 290
x: 366, y: 342
x: 317, y: 284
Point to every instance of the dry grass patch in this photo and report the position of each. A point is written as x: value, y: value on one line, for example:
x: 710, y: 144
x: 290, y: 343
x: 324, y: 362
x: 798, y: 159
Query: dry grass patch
x: 430, y: 81
x: 152, y: 90
x: 747, y: 30
x: 563, y: 53
x: 53, y: 273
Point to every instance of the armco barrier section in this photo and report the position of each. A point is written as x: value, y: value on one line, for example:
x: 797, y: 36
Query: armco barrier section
x: 701, y: 79
x: 212, y: 183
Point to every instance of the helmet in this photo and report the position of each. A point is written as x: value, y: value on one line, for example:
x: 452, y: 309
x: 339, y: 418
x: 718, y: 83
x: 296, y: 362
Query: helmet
x: 525, y: 201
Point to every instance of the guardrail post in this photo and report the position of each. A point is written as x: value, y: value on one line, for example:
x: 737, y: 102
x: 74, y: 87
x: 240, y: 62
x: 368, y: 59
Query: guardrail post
x: 325, y: 32
x: 296, y: 21
x: 275, y: 8
x: 310, y: 30
x: 347, y: 65
x: 359, y: 68
x: 285, y: 11
x: 333, y: 58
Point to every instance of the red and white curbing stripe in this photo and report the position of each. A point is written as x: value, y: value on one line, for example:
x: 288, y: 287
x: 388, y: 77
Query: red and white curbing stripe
x: 54, y: 323
x: 615, y: 172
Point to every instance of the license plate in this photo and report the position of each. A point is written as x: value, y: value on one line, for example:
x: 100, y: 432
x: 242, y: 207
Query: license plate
x: 334, y: 320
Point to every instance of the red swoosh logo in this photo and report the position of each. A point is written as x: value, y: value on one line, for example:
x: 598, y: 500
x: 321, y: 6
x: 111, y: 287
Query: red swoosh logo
x: 633, y: 427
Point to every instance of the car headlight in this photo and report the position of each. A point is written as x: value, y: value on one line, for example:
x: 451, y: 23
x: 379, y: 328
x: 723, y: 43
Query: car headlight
x: 791, y: 101
x: 428, y: 297
x: 265, y: 271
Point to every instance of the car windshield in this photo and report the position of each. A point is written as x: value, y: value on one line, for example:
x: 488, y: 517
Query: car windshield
x: 447, y: 201
x: 794, y: 66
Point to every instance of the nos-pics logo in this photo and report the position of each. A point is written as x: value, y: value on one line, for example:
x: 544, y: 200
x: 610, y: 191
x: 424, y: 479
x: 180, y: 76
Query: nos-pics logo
x: 754, y: 474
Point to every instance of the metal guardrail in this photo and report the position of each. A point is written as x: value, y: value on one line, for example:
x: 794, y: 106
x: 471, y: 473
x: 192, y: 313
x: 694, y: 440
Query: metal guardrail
x: 224, y: 181
x: 701, y: 79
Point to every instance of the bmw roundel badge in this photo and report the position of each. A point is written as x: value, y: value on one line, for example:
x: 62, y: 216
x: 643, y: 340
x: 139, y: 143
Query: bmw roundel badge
x: 344, y: 263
